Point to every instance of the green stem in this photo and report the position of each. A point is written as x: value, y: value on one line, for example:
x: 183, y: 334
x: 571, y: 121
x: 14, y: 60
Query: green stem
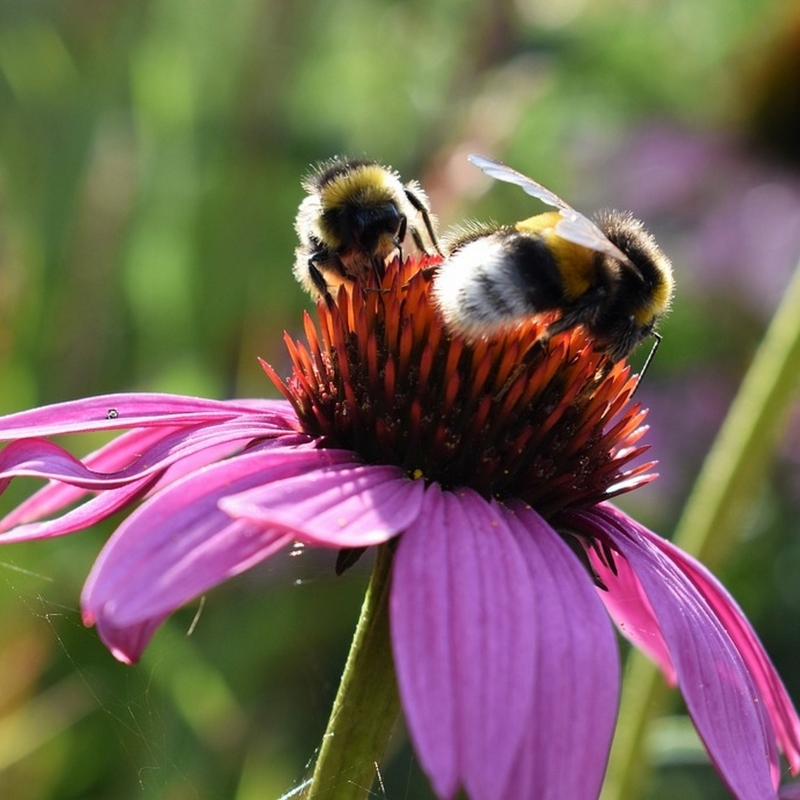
x: 367, y: 704
x: 716, y: 511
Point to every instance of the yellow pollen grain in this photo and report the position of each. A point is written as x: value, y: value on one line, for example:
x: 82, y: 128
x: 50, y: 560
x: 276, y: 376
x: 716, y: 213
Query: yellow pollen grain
x: 417, y: 474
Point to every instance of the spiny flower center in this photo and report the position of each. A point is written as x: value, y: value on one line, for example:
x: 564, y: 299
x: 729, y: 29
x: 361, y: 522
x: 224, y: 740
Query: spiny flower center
x: 544, y: 419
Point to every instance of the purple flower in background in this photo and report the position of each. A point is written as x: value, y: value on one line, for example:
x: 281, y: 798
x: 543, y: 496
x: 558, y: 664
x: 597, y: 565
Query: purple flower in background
x: 490, y: 466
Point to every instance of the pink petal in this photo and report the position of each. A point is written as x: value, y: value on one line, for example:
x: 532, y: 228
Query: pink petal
x: 39, y: 458
x: 179, y: 544
x: 140, y: 457
x: 57, y: 495
x: 84, y: 516
x: 577, y: 673
x: 626, y: 601
x: 127, y: 643
x: 720, y: 694
x: 781, y: 710
x: 135, y: 410
x: 779, y: 706
x: 343, y: 505
x: 461, y: 604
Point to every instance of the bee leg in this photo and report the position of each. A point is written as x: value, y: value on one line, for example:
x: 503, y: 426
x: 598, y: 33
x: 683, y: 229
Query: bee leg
x: 566, y: 322
x: 401, y: 232
x: 398, y: 239
x: 418, y: 241
x: 317, y: 278
x: 426, y: 218
x: 378, y: 271
x: 429, y: 272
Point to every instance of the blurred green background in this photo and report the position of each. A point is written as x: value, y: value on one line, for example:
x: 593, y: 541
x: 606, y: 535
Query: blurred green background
x: 150, y: 161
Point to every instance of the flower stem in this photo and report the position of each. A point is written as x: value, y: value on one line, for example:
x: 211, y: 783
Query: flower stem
x: 367, y: 704
x: 715, y: 513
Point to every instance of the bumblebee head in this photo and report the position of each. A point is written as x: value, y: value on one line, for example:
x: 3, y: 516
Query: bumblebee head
x: 360, y: 203
x: 641, y: 290
x: 645, y: 284
x: 366, y: 226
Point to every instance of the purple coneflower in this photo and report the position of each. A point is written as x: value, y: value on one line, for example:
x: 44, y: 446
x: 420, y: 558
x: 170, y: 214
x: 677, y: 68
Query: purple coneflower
x: 487, y: 467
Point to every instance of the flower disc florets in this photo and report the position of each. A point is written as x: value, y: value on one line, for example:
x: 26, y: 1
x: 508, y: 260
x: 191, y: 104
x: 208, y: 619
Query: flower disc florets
x: 526, y: 415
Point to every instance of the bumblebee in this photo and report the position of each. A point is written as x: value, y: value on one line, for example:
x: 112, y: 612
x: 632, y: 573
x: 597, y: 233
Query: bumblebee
x: 609, y: 276
x: 354, y: 221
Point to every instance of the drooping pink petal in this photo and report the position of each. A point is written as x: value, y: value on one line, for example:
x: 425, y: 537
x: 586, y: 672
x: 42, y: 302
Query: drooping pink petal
x: 779, y: 706
x: 84, y: 516
x: 722, y: 698
x: 40, y: 458
x: 126, y: 643
x: 109, y: 458
x: 462, y: 601
x: 136, y: 410
x: 56, y: 495
x: 179, y: 543
x: 344, y: 505
x: 781, y: 710
x: 627, y: 603
x: 576, y: 669
x: 141, y: 457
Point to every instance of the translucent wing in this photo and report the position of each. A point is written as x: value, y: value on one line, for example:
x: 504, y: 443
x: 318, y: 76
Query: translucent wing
x: 574, y: 226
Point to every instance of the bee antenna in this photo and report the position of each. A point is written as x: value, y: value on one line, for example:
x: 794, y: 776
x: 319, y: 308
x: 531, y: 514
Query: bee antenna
x: 657, y: 337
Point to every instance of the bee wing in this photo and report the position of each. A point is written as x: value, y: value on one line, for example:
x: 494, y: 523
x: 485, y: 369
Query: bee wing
x: 501, y: 172
x: 581, y: 230
x: 574, y: 226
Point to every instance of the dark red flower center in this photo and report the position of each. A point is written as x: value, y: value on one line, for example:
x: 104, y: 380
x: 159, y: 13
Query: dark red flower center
x: 542, y: 418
